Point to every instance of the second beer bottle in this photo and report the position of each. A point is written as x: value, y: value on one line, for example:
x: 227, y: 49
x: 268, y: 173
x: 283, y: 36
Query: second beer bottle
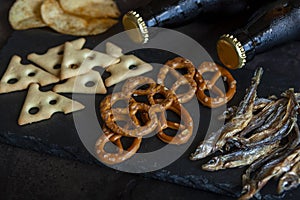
x: 271, y: 25
x: 173, y: 12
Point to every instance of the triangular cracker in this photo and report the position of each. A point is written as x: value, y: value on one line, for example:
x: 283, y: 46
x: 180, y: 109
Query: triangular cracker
x: 40, y: 106
x: 89, y: 83
x: 76, y: 62
x: 129, y: 66
x: 113, y: 50
x: 19, y: 77
x: 51, y: 60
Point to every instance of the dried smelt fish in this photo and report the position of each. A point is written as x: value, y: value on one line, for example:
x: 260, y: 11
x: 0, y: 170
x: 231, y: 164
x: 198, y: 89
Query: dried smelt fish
x: 293, y: 141
x: 279, y: 127
x: 290, y: 179
x: 297, y: 95
x: 259, y: 103
x: 295, y: 136
x: 257, y: 175
x: 228, y: 114
x: 263, y: 133
x: 239, y: 158
x: 217, y: 140
x: 244, y: 113
x: 278, y: 135
x: 258, y: 119
x: 274, y: 168
x: 207, y: 147
x: 277, y: 115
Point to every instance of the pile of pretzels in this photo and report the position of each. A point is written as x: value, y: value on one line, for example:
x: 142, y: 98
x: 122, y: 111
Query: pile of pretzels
x: 124, y: 116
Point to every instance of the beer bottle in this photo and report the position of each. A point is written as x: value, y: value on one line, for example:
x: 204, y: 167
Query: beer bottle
x: 271, y: 25
x: 162, y: 13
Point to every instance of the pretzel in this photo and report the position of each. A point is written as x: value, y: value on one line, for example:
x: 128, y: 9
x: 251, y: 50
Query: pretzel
x: 168, y: 96
x: 109, y: 115
x: 110, y: 136
x: 131, y: 87
x: 170, y: 67
x: 185, y: 128
x: 121, y: 155
x: 203, y: 85
x: 134, y: 83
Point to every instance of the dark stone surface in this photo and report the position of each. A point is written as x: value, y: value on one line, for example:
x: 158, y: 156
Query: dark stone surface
x: 30, y: 174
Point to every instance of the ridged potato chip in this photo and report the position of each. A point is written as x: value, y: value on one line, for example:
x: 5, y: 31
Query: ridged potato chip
x: 91, y: 8
x: 55, y: 17
x: 25, y: 14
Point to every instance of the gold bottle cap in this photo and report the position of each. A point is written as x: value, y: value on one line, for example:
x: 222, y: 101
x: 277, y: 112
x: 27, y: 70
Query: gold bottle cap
x: 231, y: 52
x: 137, y: 28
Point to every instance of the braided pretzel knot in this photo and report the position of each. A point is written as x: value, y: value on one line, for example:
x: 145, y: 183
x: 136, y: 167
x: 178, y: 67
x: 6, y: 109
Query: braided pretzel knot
x: 186, y: 79
x: 111, y: 115
x: 131, y: 122
x: 121, y: 155
x: 121, y: 114
x: 131, y: 88
x: 185, y: 128
x: 210, y: 85
x: 152, y: 115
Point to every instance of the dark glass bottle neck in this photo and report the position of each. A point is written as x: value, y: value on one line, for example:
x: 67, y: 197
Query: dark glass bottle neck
x: 275, y: 24
x: 169, y: 12
x: 166, y: 12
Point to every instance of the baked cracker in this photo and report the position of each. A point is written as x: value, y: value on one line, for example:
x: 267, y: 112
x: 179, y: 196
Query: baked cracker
x: 129, y: 66
x: 113, y: 50
x: 76, y: 62
x: 89, y: 83
x: 19, y: 77
x: 51, y: 60
x: 46, y: 104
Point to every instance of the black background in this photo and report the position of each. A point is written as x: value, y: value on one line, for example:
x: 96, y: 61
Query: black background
x: 30, y: 175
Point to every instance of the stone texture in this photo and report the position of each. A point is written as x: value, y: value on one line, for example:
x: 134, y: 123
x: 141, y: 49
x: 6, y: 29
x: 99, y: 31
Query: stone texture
x: 35, y: 176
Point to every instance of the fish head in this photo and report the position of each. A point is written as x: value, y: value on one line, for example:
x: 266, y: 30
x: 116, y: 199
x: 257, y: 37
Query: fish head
x: 201, y: 152
x: 288, y: 182
x: 213, y: 164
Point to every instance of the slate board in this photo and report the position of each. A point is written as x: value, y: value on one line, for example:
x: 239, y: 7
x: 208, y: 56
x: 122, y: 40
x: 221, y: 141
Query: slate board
x: 58, y: 136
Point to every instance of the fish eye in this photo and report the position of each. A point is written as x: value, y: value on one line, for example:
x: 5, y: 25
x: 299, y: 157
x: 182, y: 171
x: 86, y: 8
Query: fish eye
x: 287, y: 183
x: 212, y: 161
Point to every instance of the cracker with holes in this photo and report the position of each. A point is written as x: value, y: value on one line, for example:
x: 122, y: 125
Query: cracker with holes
x: 76, y: 62
x: 18, y: 76
x: 89, y: 83
x: 51, y: 60
x: 40, y: 106
x: 129, y: 66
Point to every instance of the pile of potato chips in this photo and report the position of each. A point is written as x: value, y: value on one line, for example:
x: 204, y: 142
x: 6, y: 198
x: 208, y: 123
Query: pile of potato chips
x: 72, y: 17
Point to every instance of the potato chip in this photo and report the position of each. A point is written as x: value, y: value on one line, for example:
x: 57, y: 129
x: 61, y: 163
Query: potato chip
x: 25, y: 14
x: 91, y: 8
x: 54, y: 16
